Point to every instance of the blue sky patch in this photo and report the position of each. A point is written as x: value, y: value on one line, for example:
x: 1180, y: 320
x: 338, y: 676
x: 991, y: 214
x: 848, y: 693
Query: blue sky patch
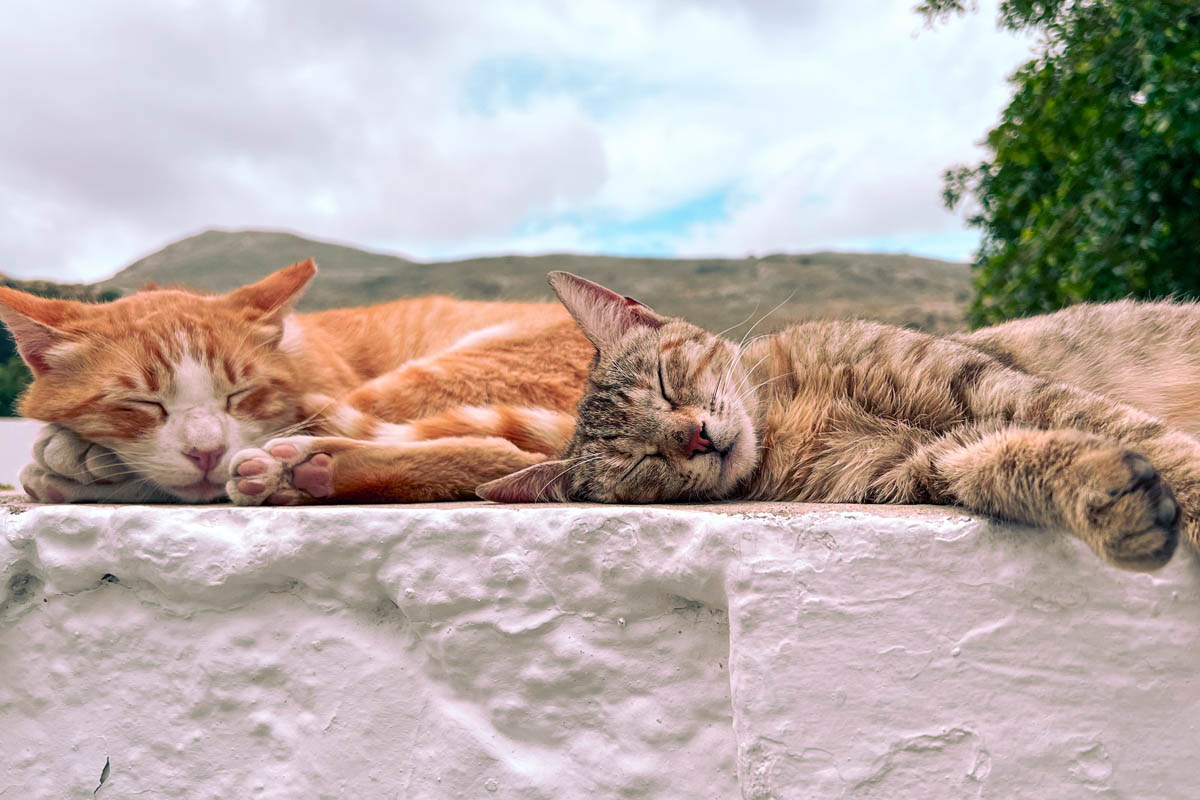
x: 656, y: 234
x: 500, y: 82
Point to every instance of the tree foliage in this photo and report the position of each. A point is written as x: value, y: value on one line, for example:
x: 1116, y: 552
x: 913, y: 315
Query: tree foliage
x: 1091, y: 189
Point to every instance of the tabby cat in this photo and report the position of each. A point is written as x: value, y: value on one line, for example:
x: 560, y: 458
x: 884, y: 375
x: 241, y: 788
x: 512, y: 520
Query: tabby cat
x: 172, y: 395
x: 860, y: 412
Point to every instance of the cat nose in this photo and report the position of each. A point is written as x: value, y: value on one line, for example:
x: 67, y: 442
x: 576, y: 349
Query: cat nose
x: 204, y: 460
x: 699, y: 443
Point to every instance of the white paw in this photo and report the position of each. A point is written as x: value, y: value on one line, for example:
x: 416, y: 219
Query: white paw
x: 46, y: 487
x: 64, y: 453
x: 284, y: 471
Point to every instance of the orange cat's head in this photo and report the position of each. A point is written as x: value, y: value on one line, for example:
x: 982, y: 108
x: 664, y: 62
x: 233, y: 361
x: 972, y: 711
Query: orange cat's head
x: 174, y: 381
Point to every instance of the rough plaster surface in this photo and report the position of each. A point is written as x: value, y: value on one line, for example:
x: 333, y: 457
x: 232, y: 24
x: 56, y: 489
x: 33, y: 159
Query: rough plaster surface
x: 585, y: 652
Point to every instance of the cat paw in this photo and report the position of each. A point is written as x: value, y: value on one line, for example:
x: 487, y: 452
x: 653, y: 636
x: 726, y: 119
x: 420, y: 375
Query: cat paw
x: 64, y: 453
x: 284, y: 472
x: 1131, y: 512
x: 44, y: 486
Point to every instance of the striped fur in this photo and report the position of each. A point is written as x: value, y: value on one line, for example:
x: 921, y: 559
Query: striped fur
x: 858, y: 412
x: 163, y: 395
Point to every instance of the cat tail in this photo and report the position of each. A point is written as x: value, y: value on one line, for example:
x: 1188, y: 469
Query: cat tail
x: 532, y: 429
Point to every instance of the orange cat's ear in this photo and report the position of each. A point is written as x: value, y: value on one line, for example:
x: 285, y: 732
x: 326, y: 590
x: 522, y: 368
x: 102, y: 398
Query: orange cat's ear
x: 547, y: 482
x: 33, y: 322
x: 272, y: 298
x: 604, y: 316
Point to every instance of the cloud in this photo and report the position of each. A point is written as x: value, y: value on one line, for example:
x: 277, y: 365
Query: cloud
x: 439, y: 129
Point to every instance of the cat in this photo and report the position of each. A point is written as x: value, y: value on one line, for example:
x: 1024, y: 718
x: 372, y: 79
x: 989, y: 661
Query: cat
x: 862, y: 412
x: 170, y: 395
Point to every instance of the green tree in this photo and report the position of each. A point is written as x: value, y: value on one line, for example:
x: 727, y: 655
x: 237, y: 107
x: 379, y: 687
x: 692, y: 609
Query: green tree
x: 1091, y: 186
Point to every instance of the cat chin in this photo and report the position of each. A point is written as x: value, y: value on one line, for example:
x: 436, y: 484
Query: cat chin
x: 740, y: 462
x: 200, y: 492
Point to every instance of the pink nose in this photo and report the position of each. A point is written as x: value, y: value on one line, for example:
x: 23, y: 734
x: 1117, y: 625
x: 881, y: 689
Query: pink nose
x: 699, y: 443
x: 204, y: 460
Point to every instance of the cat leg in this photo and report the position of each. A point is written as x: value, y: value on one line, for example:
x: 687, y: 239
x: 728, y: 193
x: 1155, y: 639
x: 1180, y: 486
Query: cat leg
x: 63, y: 452
x: 541, y: 369
x: 993, y: 392
x: 535, y: 430
x: 69, y: 469
x: 304, y: 470
x: 44, y: 486
x: 1110, y: 496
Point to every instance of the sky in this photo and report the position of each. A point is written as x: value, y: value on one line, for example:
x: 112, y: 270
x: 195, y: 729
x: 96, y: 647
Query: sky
x: 435, y: 129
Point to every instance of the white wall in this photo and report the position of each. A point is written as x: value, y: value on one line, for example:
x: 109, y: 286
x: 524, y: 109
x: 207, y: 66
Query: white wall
x: 567, y: 652
x: 16, y: 443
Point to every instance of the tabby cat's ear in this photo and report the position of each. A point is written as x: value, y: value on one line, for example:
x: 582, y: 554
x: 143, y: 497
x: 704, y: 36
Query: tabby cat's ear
x: 604, y: 316
x: 272, y: 298
x: 547, y: 482
x: 33, y: 322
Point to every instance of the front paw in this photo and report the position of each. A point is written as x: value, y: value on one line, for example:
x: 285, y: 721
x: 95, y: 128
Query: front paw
x: 45, y: 486
x: 1128, y: 509
x: 287, y: 471
x: 64, y: 453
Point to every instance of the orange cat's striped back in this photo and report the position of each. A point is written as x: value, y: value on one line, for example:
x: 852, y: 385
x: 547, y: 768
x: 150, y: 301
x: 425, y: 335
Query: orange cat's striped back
x: 155, y: 395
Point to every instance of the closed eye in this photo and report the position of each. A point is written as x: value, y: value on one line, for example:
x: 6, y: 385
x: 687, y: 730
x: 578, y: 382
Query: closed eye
x: 153, y: 404
x: 230, y: 397
x: 662, y: 386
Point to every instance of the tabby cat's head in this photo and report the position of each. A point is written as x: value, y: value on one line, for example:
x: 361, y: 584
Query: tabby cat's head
x: 173, y: 381
x: 665, y: 416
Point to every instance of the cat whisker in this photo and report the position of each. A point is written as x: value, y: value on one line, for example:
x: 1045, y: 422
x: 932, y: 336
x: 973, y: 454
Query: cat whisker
x: 115, y: 491
x: 288, y: 430
x: 743, y: 322
x: 739, y: 347
x: 738, y: 389
x: 578, y: 462
x: 737, y: 355
x: 108, y: 476
x: 735, y: 359
x: 752, y: 389
x: 785, y: 301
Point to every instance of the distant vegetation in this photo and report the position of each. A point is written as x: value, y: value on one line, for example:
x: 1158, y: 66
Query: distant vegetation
x: 716, y: 293
x: 1091, y: 189
x: 713, y: 292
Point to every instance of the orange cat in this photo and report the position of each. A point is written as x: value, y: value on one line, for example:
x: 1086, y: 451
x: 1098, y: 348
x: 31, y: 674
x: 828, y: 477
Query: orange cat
x: 172, y: 395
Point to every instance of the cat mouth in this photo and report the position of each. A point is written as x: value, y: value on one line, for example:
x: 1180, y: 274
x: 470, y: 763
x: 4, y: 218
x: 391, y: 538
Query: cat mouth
x: 731, y: 461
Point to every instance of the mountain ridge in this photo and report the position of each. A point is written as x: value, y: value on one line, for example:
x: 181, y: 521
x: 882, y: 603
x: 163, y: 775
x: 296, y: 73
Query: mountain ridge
x: 714, y: 292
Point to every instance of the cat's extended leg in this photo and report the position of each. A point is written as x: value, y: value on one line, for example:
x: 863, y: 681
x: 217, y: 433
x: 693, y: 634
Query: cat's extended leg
x: 542, y: 369
x: 535, y: 430
x: 990, y: 393
x: 44, y: 486
x: 1110, y: 496
x: 303, y: 469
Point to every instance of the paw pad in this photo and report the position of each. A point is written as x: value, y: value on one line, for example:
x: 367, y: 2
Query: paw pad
x: 285, y: 472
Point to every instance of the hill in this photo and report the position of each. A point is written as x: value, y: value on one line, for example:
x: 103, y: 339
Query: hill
x: 716, y: 293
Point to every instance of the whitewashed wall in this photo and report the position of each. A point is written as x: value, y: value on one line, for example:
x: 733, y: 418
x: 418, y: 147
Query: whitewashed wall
x: 567, y: 652
x: 16, y: 443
